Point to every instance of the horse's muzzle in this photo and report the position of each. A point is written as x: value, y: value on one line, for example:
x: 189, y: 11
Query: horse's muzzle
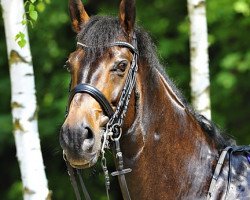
x: 77, y: 142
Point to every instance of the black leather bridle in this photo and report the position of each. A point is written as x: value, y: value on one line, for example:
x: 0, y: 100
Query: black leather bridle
x: 95, y: 93
x: 114, y: 125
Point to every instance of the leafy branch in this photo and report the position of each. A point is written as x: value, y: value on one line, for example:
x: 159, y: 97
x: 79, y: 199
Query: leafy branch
x: 30, y: 17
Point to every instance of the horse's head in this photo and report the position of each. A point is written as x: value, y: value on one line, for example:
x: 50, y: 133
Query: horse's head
x: 103, y: 64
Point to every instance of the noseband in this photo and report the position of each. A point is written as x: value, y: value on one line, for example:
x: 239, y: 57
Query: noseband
x: 114, y: 126
x: 95, y: 93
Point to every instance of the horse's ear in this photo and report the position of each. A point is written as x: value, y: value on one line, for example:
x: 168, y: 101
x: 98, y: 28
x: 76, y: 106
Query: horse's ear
x: 78, y: 14
x: 127, y: 15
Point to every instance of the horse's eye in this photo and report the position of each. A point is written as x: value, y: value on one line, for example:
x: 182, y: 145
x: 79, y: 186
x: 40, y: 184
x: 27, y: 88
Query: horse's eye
x: 122, y: 66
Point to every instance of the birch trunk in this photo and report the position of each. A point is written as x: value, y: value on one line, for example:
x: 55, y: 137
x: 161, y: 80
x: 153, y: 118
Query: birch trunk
x: 200, y: 83
x: 23, y: 102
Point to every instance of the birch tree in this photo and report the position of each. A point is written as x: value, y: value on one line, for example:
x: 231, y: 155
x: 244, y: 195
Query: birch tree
x: 200, y: 83
x: 23, y: 102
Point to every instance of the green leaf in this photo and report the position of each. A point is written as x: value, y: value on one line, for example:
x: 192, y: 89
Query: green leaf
x: 20, y: 35
x: 33, y: 15
x: 20, y: 38
x: 31, y: 7
x: 231, y: 60
x: 40, y: 7
x: 22, y: 42
x: 32, y: 1
x: 17, y: 37
x: 242, y: 7
x: 226, y: 79
x: 24, y: 22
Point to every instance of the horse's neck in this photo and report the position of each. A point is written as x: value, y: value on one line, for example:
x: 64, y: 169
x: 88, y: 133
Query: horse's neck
x: 166, y: 146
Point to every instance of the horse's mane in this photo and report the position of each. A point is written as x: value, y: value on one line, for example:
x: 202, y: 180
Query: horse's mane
x: 100, y: 31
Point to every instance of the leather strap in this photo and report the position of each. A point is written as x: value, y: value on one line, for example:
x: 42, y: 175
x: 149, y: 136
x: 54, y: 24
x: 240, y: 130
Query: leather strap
x: 217, y: 171
x: 74, y: 182
x: 120, y: 173
x: 127, y: 45
x: 228, y: 150
x: 95, y: 93
x: 124, y: 187
x: 119, y: 43
x: 84, y: 190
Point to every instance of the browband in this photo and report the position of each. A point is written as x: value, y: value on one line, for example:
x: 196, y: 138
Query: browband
x: 119, y: 43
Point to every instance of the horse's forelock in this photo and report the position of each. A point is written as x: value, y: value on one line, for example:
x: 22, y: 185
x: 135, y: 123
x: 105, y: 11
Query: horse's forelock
x: 97, y: 34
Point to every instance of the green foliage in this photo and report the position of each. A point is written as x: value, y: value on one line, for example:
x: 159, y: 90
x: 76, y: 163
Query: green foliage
x: 15, y: 191
x: 31, y: 11
x: 20, y: 38
x: 243, y: 7
x: 30, y: 17
x: 52, y: 40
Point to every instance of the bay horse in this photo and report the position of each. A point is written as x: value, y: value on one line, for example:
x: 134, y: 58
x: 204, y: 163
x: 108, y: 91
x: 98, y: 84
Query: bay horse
x: 121, y: 98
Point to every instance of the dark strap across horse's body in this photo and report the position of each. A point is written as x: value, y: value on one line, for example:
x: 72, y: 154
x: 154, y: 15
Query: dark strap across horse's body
x: 217, y: 171
x: 228, y: 150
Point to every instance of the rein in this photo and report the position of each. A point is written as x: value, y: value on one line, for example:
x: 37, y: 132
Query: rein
x: 113, y: 131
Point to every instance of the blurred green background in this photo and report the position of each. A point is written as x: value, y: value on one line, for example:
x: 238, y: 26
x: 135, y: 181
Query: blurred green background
x: 167, y: 22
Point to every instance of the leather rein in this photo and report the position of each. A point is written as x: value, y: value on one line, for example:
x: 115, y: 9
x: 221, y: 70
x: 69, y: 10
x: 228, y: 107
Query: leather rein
x: 112, y: 134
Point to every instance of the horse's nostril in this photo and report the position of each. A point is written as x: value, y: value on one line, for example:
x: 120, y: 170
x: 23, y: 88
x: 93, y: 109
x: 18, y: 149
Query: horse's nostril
x: 88, y: 141
x: 90, y: 134
x: 76, y: 140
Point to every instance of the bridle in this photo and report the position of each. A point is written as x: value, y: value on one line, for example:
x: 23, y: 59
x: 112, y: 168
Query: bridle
x: 113, y: 129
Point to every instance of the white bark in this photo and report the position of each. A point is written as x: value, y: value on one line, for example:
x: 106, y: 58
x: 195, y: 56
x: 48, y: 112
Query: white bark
x: 199, y: 57
x: 24, y: 108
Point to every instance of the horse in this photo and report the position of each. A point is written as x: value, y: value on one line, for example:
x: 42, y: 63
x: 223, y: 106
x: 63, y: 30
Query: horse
x: 121, y: 98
